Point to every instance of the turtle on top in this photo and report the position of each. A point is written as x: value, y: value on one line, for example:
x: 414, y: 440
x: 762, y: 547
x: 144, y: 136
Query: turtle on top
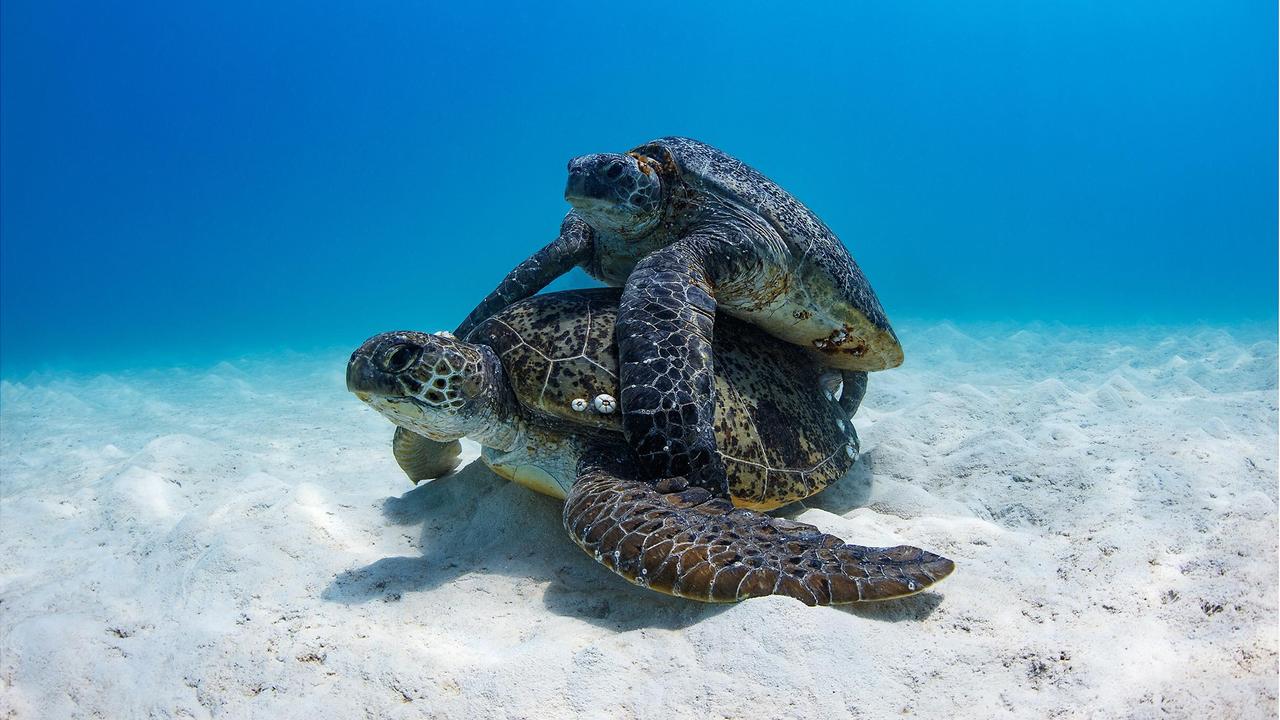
x: 535, y: 385
x: 687, y: 231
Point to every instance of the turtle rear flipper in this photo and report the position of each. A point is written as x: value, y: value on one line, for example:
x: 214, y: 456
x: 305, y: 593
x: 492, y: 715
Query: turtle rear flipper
x: 422, y: 458
x: 855, y: 388
x: 680, y: 540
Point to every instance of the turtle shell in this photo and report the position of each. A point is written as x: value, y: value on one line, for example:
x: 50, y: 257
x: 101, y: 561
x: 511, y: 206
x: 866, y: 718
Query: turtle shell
x: 782, y: 436
x: 705, y: 169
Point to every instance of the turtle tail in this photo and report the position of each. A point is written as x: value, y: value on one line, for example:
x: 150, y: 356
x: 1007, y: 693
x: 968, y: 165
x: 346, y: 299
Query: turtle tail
x: 680, y: 540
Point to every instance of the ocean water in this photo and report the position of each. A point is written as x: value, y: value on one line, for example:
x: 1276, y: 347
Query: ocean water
x: 186, y: 182
x: 1068, y: 211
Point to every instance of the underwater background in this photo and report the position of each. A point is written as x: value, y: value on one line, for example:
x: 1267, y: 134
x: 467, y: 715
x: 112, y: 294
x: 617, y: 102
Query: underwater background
x: 1068, y: 211
x: 186, y: 182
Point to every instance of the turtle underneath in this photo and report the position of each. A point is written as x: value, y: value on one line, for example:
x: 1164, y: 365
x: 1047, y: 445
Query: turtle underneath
x: 535, y: 386
x: 688, y: 231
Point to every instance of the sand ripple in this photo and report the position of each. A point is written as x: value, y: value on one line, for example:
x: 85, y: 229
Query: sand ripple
x: 237, y: 542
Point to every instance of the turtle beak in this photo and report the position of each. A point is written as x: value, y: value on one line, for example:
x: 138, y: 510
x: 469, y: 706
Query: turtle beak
x: 380, y: 365
x: 360, y: 375
x: 592, y: 178
x: 576, y: 187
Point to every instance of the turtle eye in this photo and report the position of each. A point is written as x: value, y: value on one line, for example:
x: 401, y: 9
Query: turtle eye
x: 614, y: 170
x: 399, y: 357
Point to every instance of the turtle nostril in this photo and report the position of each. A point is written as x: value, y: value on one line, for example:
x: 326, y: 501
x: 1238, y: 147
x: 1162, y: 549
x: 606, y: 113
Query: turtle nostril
x: 399, y: 358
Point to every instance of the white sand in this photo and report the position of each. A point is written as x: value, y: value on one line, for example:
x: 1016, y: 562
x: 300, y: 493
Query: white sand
x: 237, y: 542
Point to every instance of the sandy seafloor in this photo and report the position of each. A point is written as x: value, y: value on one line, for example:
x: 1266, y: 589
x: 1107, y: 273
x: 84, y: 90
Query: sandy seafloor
x: 237, y: 541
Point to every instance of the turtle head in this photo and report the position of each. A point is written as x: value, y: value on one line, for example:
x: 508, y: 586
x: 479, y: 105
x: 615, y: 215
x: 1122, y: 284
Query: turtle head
x: 434, y: 385
x: 621, y: 194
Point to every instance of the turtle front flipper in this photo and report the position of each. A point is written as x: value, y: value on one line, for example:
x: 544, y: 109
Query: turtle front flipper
x: 682, y: 541
x: 664, y: 331
x: 422, y: 458
x: 571, y: 248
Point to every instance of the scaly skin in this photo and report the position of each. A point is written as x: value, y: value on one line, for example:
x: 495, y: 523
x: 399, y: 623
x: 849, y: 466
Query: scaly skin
x: 751, y: 249
x: 679, y: 540
x: 778, y: 432
x: 518, y: 385
x: 667, y: 372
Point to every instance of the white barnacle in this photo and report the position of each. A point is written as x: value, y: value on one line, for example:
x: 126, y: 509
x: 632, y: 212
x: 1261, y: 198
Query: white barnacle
x: 579, y: 404
x: 605, y: 403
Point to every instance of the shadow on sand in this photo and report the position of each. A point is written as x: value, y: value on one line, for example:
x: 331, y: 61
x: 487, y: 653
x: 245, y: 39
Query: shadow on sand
x: 474, y: 522
x: 849, y: 492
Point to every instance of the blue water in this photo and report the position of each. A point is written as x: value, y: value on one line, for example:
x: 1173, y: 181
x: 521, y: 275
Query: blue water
x: 184, y: 181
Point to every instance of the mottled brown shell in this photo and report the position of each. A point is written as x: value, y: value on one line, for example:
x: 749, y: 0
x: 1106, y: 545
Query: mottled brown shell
x: 781, y: 435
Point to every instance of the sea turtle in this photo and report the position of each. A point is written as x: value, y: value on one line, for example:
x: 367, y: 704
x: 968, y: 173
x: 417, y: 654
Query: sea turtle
x: 689, y: 230
x: 536, y: 384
